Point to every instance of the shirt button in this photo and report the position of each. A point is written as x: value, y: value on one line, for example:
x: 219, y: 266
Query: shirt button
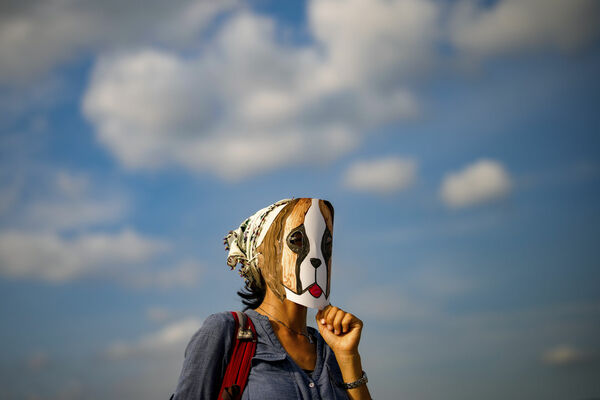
x: 312, y: 384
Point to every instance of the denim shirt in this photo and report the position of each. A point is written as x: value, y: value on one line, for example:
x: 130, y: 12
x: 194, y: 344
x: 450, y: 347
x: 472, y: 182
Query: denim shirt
x: 274, y: 375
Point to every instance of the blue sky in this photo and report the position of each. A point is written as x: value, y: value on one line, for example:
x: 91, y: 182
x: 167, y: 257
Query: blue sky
x: 457, y: 141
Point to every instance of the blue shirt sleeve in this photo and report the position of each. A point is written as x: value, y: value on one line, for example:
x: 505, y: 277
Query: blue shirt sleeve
x: 206, y: 358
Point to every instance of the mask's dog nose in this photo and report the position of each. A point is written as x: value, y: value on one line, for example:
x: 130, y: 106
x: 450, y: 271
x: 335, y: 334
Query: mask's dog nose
x: 315, y: 262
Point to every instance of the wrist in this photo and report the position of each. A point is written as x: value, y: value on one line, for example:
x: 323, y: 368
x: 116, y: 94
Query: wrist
x: 347, y: 356
x: 350, y: 366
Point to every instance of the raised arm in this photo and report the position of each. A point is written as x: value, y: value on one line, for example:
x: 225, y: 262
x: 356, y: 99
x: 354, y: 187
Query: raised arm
x: 341, y: 331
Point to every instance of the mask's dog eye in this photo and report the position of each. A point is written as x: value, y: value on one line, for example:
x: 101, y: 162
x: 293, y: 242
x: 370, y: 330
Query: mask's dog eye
x: 298, y: 242
x: 295, y: 239
x: 326, y: 244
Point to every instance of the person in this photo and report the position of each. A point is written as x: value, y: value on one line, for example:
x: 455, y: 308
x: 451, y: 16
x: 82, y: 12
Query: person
x: 284, y: 253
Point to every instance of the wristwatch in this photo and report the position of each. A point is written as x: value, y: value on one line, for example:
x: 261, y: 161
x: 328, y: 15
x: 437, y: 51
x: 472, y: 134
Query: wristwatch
x: 363, y: 379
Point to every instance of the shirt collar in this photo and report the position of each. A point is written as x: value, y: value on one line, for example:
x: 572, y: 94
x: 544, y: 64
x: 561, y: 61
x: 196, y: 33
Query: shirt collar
x: 269, y: 347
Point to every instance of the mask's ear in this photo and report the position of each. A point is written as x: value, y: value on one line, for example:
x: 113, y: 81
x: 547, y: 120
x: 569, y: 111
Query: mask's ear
x: 327, y: 211
x: 270, y: 251
x: 328, y: 204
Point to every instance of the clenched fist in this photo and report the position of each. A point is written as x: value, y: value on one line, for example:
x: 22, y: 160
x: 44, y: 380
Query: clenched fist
x: 340, y: 329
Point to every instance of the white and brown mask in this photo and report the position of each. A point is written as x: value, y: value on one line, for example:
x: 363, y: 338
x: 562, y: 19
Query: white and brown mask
x: 295, y: 255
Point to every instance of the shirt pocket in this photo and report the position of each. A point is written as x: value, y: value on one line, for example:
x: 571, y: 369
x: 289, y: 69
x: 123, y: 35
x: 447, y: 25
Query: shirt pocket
x: 270, y: 378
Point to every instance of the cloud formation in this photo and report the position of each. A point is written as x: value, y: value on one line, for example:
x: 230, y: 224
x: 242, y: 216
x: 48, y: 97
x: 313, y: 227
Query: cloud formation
x: 480, y: 182
x: 512, y: 26
x: 51, y: 257
x: 244, y: 97
x: 57, y: 200
x: 70, y: 201
x: 172, y: 337
x: 383, y: 176
x: 250, y: 102
x: 40, y: 35
x: 54, y: 228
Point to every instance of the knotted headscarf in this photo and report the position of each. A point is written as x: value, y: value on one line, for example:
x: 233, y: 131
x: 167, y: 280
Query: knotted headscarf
x: 243, y: 242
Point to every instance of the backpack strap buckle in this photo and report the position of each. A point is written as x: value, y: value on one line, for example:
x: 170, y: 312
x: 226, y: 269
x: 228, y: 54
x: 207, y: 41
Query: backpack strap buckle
x: 244, y: 332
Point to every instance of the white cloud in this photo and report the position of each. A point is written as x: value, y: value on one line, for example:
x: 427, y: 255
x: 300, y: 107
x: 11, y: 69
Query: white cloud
x: 250, y: 102
x: 126, y: 257
x: 189, y: 116
x: 36, y: 36
x: 400, y: 34
x: 384, y: 175
x: 43, y: 199
x: 53, y: 234
x: 245, y: 99
x: 480, y: 182
x: 563, y: 355
x: 65, y: 200
x: 374, y: 42
x: 74, y: 213
x: 51, y: 257
x: 521, y: 25
x: 172, y: 337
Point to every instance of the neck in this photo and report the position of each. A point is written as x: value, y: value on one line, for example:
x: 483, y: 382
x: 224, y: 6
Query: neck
x: 291, y: 314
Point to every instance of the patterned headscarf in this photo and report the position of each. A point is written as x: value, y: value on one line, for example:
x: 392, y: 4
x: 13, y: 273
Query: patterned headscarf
x: 243, y: 242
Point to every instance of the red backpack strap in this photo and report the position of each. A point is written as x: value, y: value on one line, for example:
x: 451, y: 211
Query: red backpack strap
x: 239, y: 365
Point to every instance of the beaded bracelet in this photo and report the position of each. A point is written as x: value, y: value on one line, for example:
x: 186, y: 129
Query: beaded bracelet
x: 363, y: 379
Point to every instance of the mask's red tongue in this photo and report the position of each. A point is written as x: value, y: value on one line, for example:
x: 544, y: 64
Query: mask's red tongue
x: 315, y: 290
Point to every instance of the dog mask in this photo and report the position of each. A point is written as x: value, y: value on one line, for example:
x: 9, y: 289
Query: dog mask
x: 295, y: 255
